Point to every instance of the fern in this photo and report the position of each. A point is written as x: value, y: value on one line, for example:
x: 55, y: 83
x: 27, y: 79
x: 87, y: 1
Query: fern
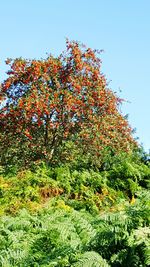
x: 83, y: 227
x: 91, y: 259
x: 146, y: 252
x: 72, y: 238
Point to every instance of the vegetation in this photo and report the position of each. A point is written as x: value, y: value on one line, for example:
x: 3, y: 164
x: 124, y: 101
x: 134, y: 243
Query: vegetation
x: 58, y: 102
x: 76, y: 216
x: 62, y: 236
x: 74, y: 184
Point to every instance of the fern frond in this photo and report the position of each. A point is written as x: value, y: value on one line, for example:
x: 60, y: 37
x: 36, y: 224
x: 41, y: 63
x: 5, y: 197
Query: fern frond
x: 146, y: 252
x: 91, y: 259
x: 83, y: 227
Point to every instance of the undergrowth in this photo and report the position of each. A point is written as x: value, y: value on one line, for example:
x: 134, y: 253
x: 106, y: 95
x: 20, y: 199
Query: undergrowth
x: 88, y: 188
x: 69, y: 215
x: 62, y: 236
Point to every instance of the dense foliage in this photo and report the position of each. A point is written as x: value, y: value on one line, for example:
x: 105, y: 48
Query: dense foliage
x: 46, y: 103
x: 76, y: 216
x: 64, y: 237
x: 79, y: 187
x: 73, y: 181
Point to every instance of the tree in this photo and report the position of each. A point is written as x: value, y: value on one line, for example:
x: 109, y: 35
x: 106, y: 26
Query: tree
x: 46, y: 103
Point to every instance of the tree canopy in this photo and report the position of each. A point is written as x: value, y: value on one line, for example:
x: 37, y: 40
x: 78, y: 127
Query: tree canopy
x: 49, y: 102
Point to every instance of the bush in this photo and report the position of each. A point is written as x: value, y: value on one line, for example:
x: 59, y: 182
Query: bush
x: 66, y: 237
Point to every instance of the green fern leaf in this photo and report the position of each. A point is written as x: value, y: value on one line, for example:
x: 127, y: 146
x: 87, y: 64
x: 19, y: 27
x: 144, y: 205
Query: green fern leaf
x: 91, y: 259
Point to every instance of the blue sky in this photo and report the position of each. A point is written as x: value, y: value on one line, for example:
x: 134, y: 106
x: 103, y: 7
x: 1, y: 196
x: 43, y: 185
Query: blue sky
x: 32, y: 28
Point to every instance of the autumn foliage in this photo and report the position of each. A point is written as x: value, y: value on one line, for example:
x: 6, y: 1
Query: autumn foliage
x: 47, y: 103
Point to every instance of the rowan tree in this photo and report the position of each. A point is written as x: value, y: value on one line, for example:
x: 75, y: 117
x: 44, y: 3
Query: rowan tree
x: 46, y: 103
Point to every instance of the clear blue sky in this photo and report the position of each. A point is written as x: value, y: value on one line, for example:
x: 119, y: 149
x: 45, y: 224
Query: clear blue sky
x: 32, y: 28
